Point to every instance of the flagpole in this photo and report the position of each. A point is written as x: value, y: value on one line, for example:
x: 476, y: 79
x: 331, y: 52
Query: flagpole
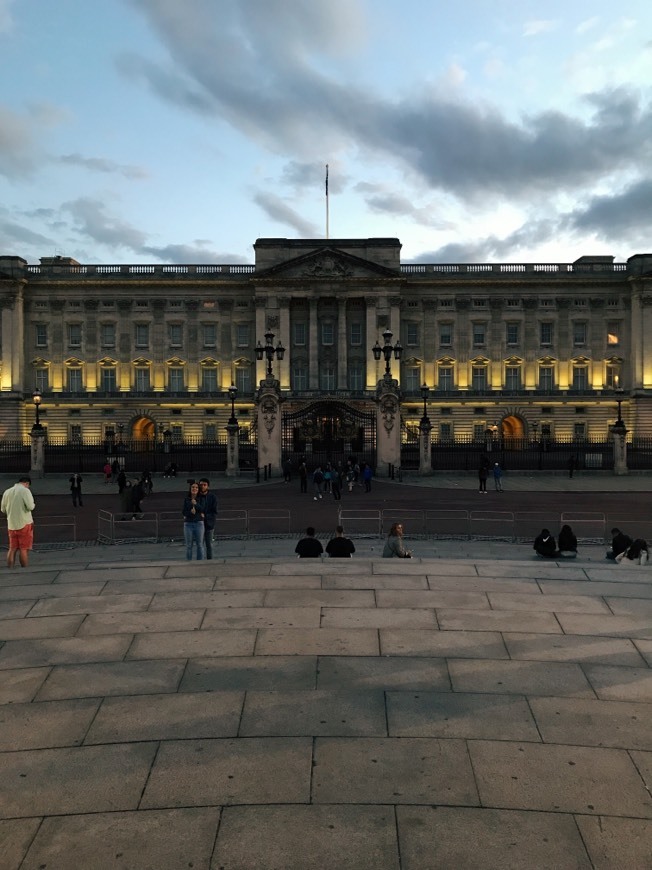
x: 327, y: 216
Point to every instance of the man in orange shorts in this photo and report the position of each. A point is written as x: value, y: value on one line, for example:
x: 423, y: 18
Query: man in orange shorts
x: 18, y: 504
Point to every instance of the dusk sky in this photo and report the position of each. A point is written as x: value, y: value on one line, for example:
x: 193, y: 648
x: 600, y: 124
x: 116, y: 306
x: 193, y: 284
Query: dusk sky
x: 179, y: 131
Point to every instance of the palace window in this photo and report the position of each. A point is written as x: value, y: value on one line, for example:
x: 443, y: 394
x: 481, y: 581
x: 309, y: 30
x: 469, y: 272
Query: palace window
x: 210, y: 432
x: 142, y: 335
x: 613, y: 333
x: 74, y: 380
x: 42, y: 379
x: 299, y: 330
x: 479, y: 334
x: 209, y: 380
x: 175, y: 379
x: 511, y: 336
x: 546, y: 377
x: 412, y: 334
x: 612, y: 379
x: 413, y: 379
x: 580, y: 377
x: 175, y: 334
x: 108, y: 380
x: 356, y: 334
x: 445, y: 334
x: 41, y: 335
x: 327, y: 333
x: 107, y: 334
x: 445, y: 431
x: 327, y: 378
x: 479, y: 378
x: 74, y: 335
x: 579, y: 333
x: 579, y: 431
x: 242, y: 333
x: 209, y: 334
x: 445, y: 377
x: 299, y: 377
x: 142, y: 380
x: 243, y: 379
x: 512, y: 378
x: 356, y: 377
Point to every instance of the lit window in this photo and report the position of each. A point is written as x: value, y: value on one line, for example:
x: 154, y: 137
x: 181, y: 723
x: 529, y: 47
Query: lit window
x: 612, y: 381
x: 175, y: 380
x: 613, y: 331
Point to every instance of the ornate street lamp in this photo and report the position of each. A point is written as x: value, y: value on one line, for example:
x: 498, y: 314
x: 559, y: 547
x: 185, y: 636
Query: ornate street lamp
x: 620, y: 423
x: 386, y: 350
x: 425, y: 422
x: 233, y: 394
x: 37, y: 398
x: 121, y: 429
x: 269, y: 351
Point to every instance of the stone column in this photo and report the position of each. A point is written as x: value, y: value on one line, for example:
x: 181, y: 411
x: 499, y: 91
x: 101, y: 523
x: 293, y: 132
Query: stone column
x: 37, y: 466
x: 313, y: 347
x: 388, y: 423
x: 232, y: 450
x: 261, y: 329
x: 285, y: 338
x: 619, y: 434
x: 371, y: 337
x: 425, y: 451
x: 342, y: 362
x: 268, y: 400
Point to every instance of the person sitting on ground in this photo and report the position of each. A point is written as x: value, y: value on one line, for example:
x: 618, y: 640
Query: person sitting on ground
x: 544, y: 545
x: 339, y: 546
x: 394, y: 547
x: 619, y: 543
x: 636, y: 552
x: 309, y: 547
x: 567, y: 543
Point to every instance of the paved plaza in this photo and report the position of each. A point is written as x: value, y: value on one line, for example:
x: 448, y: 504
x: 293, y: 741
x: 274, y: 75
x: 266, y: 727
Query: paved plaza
x: 475, y: 709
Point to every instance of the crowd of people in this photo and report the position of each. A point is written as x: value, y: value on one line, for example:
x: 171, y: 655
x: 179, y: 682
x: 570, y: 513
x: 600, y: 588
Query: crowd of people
x: 329, y: 479
x: 623, y: 548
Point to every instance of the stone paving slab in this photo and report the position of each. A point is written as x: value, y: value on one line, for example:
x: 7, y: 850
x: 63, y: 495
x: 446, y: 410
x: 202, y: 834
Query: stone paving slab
x: 28, y: 577
x: 573, y: 648
x: 538, y: 571
x: 314, y: 838
x: 88, y: 779
x: 613, y: 842
x: 91, y: 604
x: 612, y: 626
x: 141, y: 622
x: 602, y: 588
x: 630, y: 606
x: 613, y: 683
x: 386, y: 617
x: 191, y: 644
x: 553, y: 778
x: 563, y: 679
x: 319, y: 597
x: 280, y: 581
x: 392, y: 771
x: 111, y: 678
x: 14, y: 609
x: 63, y: 650
x: 49, y: 590
x: 162, y: 584
x: 46, y: 626
x: 619, y: 725
x: 476, y: 644
x: 21, y: 685
x: 372, y: 581
x: 192, y: 600
x: 273, y: 673
x: 645, y: 648
x: 46, y: 725
x: 460, y: 715
x: 450, y: 618
x: 317, y: 641
x: 482, y: 584
x: 167, y: 717
x: 364, y: 673
x: 15, y: 838
x: 105, y: 574
x: 432, y: 598
x: 144, y: 839
x: 262, y: 617
x: 437, y: 837
x: 259, y: 770
x: 316, y: 712
x: 554, y: 603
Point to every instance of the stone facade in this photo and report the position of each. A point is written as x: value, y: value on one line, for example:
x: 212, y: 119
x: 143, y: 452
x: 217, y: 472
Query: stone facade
x: 524, y: 348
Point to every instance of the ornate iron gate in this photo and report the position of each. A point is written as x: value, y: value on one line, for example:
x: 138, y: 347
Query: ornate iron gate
x: 329, y: 431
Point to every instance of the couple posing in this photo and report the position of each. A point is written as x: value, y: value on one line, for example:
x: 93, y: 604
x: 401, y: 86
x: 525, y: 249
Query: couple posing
x: 199, y: 514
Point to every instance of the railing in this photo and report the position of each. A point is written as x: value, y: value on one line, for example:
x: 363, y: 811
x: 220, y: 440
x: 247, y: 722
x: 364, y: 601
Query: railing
x: 508, y: 269
x: 156, y: 271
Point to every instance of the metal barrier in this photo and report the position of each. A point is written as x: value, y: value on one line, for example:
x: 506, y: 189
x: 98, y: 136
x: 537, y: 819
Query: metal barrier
x: 363, y: 523
x: 589, y: 527
x: 56, y: 530
x: 447, y: 524
x: 498, y: 525
x: 528, y: 524
x: 236, y: 521
x: 412, y: 520
x: 259, y: 521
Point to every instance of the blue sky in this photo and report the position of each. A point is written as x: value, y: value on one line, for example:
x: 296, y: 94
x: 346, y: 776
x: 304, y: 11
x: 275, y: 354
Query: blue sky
x: 179, y: 131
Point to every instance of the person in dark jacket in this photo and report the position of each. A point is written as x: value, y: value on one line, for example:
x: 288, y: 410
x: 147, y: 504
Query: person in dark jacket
x: 339, y: 546
x: 619, y: 543
x: 567, y: 543
x: 76, y: 490
x: 544, y: 545
x: 193, y: 521
x: 309, y: 547
x: 210, y: 514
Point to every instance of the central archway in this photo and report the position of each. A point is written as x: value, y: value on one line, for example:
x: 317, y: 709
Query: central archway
x: 143, y: 429
x: 512, y: 428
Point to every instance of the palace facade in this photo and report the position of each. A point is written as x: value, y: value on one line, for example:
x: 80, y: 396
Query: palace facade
x: 520, y: 350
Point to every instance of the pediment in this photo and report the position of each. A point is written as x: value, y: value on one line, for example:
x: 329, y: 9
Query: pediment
x: 73, y: 363
x: 328, y: 264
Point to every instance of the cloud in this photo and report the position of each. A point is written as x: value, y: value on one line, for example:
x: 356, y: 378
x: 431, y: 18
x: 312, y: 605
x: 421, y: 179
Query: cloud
x: 100, y: 164
x: 196, y: 253
x: 11, y: 232
x: 279, y: 211
x: 306, y: 177
x: 537, y: 26
x: 91, y: 220
x: 18, y: 154
x: 382, y: 201
x: 625, y: 214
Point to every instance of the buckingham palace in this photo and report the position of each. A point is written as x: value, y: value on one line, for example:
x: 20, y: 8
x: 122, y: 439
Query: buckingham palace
x: 326, y: 347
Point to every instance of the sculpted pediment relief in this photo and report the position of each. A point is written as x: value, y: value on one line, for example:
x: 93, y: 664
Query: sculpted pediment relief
x: 327, y: 264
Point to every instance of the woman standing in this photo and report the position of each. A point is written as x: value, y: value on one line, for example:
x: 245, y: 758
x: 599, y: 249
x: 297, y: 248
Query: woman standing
x: 193, y: 525
x: 394, y: 547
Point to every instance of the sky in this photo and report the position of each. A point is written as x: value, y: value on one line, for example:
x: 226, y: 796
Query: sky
x: 180, y: 131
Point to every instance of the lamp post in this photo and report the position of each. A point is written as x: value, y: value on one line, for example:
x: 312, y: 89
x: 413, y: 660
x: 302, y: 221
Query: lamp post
x: 425, y: 451
x: 386, y: 350
x: 37, y: 398
x: 619, y: 431
x: 233, y: 394
x: 269, y: 351
x: 425, y: 391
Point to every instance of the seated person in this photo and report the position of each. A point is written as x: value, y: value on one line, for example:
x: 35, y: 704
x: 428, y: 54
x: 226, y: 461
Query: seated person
x: 394, y: 547
x: 567, y: 543
x: 636, y: 552
x: 619, y: 543
x: 544, y: 545
x: 339, y: 546
x: 309, y: 547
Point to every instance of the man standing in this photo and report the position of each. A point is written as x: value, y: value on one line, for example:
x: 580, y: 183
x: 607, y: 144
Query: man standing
x: 498, y: 474
x: 210, y: 515
x: 17, y: 505
x: 75, y: 490
x: 303, y: 476
x: 339, y: 546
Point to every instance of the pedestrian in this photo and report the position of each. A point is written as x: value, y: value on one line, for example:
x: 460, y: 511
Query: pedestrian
x: 572, y: 462
x: 17, y: 505
x: 287, y: 471
x: 339, y: 546
x: 115, y: 470
x: 350, y: 477
x: 309, y: 547
x: 498, y: 474
x: 544, y: 545
x: 76, y: 489
x: 122, y: 481
x: 335, y: 486
x: 567, y: 543
x: 137, y: 495
x: 126, y: 501
x: 317, y: 482
x: 210, y: 514
x: 367, y: 474
x: 636, y: 552
x: 107, y: 472
x: 619, y: 543
x: 394, y: 546
x: 303, y: 476
x: 482, y: 477
x: 328, y: 476
x: 148, y: 484
x: 193, y: 522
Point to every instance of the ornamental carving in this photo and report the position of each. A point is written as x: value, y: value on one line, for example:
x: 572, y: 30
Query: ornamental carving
x: 269, y: 412
x: 273, y: 321
x: 388, y: 410
x: 326, y: 267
